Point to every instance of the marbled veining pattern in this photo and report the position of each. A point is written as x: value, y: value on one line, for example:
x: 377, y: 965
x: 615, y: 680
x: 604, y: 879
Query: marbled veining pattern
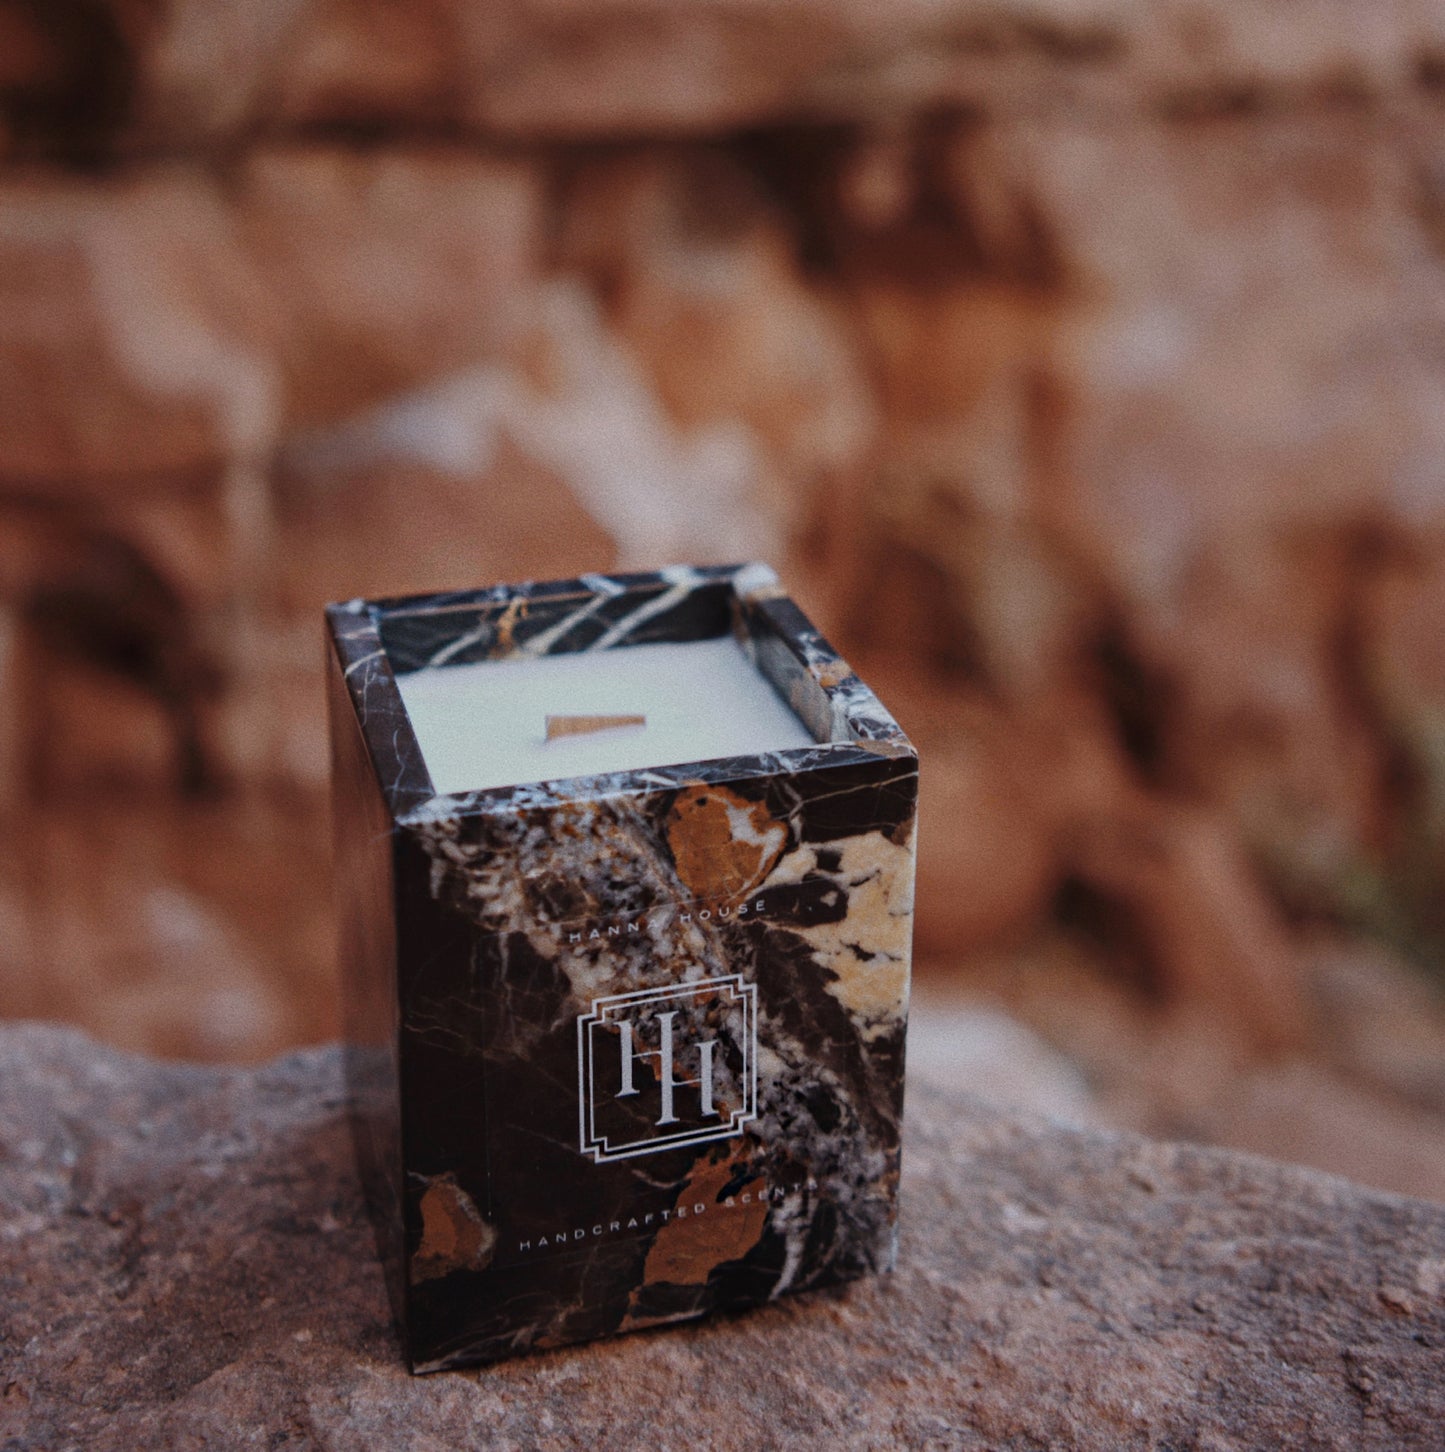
x: 516, y: 908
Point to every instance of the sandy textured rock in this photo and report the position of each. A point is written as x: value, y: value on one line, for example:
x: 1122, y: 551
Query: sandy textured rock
x: 162, y: 323
x: 699, y: 269
x: 203, y: 933
x: 138, y: 339
x: 1160, y: 444
x: 1363, y: 1101
x: 184, y: 1262
x: 641, y: 66
x: 390, y: 267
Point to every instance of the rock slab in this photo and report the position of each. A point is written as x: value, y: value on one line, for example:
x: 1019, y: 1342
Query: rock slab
x: 185, y: 1263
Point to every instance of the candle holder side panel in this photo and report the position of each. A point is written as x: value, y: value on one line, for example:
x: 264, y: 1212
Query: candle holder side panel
x: 391, y: 746
x: 819, y: 685
x: 364, y: 885
x: 768, y: 917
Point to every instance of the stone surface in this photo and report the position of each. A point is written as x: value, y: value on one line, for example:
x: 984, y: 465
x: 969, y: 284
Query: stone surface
x: 646, y: 66
x: 980, y: 1051
x: 1361, y: 1098
x: 390, y: 268
x: 185, y: 1262
x: 139, y: 340
x: 166, y: 322
x: 204, y: 932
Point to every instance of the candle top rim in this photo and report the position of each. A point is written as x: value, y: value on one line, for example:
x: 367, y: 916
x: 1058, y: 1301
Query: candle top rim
x: 380, y: 642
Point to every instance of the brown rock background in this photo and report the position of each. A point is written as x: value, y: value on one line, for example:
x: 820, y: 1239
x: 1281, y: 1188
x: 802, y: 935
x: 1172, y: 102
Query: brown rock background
x: 1082, y: 368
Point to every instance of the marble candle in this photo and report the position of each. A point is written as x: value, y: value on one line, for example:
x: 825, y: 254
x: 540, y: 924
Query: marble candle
x: 626, y: 1007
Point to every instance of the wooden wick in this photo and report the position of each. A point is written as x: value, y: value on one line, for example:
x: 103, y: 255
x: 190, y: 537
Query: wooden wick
x: 585, y: 725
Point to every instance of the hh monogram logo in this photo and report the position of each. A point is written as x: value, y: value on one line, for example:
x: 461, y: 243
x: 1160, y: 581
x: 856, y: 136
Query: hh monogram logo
x: 665, y: 1067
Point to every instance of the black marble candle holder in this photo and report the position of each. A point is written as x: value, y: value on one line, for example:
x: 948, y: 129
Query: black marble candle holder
x: 622, y: 1049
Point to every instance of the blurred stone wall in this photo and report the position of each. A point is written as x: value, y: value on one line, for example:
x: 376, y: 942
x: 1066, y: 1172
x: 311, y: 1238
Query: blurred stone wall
x: 1080, y: 363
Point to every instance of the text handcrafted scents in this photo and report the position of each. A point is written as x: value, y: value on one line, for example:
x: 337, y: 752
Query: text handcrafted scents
x: 634, y: 1224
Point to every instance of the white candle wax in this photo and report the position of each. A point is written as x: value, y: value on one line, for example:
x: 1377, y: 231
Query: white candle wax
x: 484, y: 725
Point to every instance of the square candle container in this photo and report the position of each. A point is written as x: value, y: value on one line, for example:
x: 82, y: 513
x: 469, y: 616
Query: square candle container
x: 625, y: 1038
